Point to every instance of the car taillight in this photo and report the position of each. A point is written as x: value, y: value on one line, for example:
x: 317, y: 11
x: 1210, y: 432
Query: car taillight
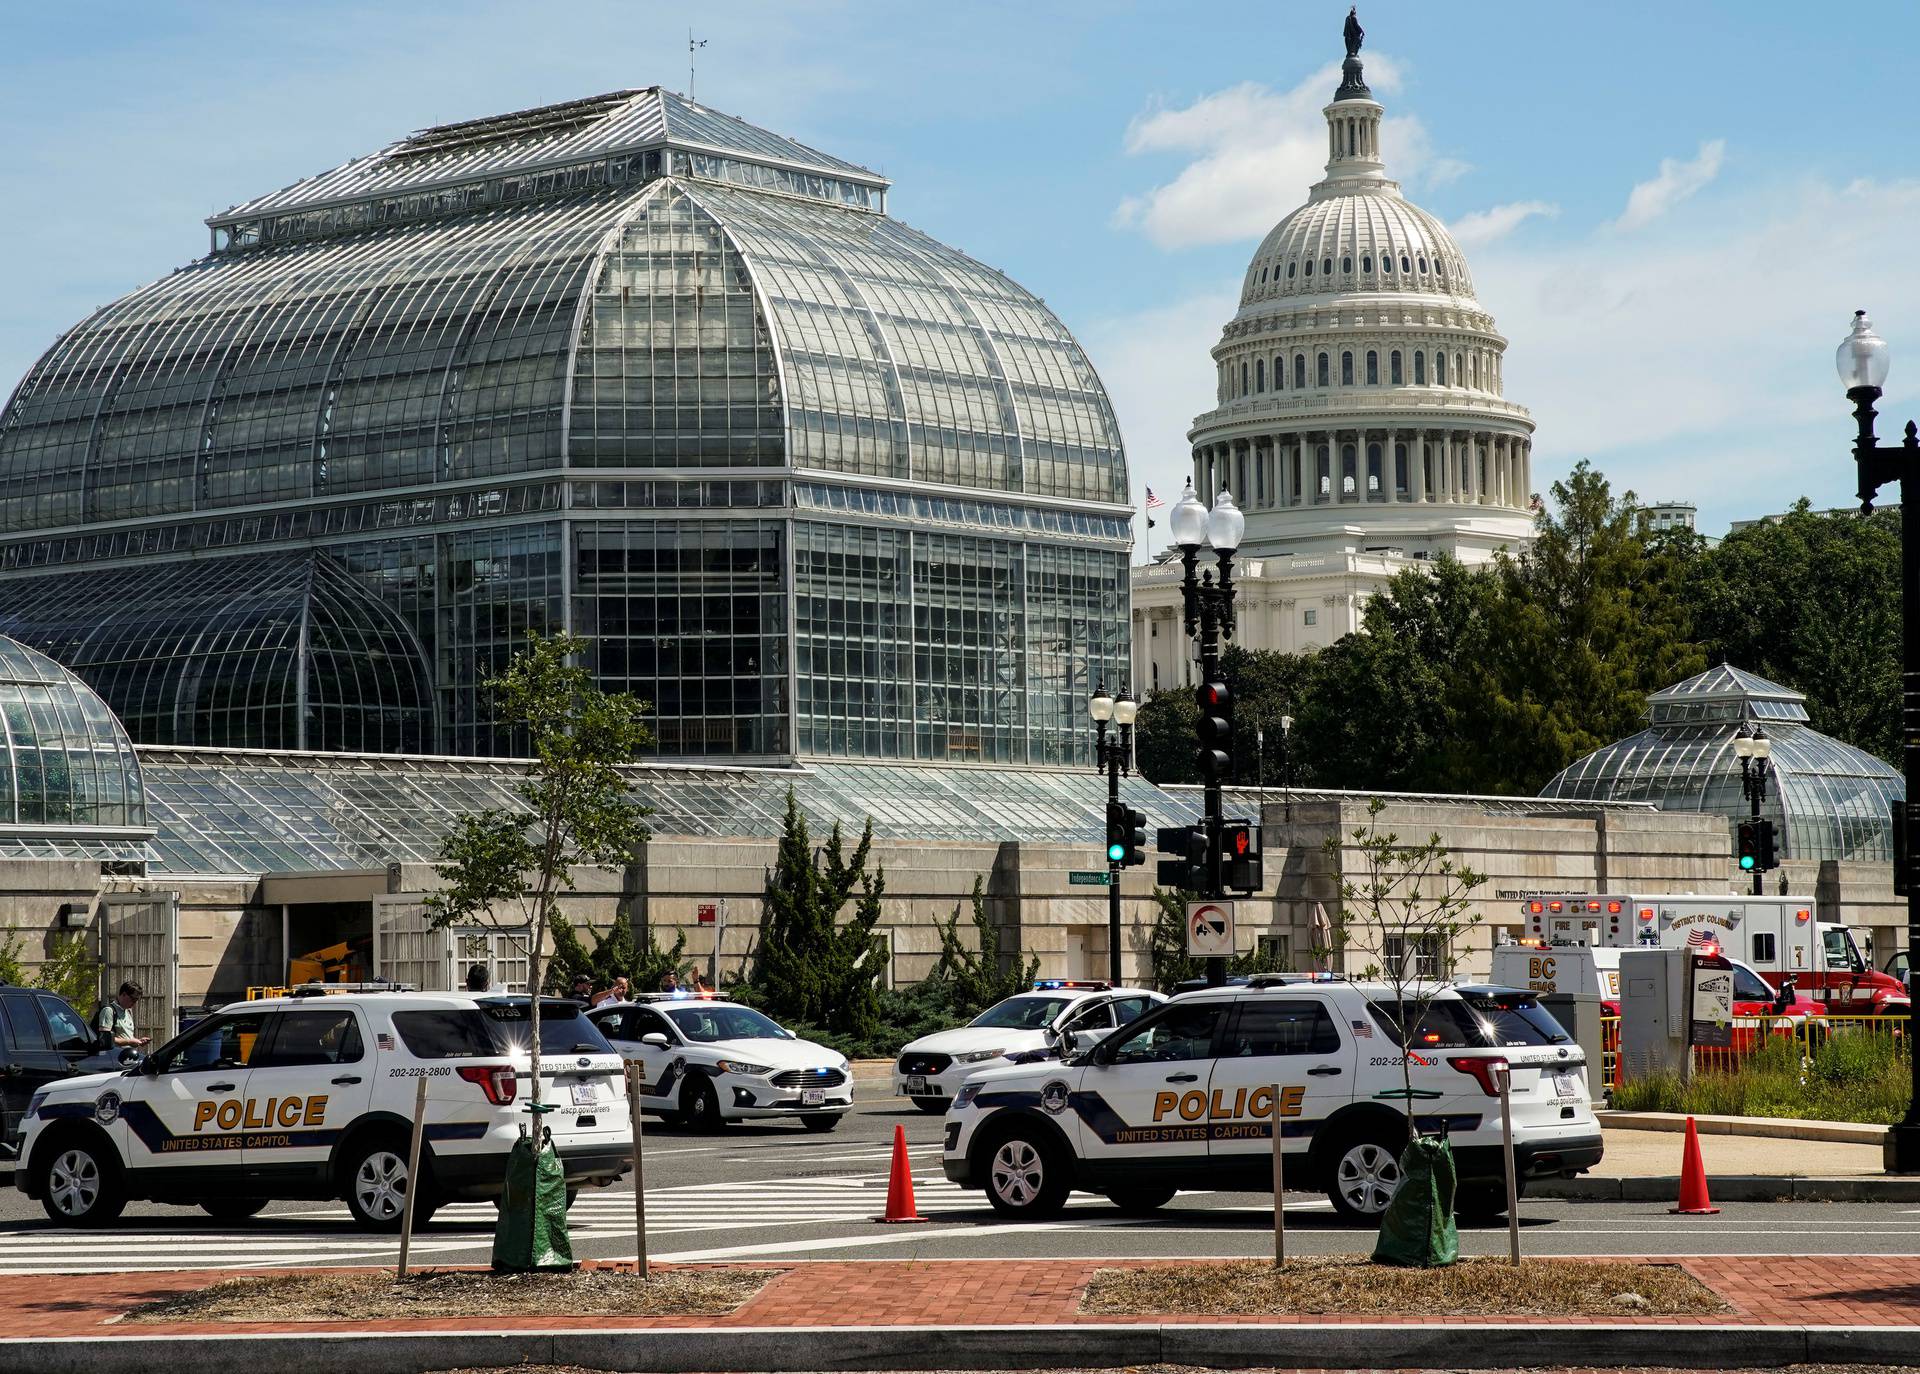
x: 1482, y: 1071
x: 497, y: 1081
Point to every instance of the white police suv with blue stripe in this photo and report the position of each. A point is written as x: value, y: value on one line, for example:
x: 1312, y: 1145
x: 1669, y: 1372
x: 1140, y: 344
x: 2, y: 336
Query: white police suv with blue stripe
x: 312, y: 1096
x: 1186, y: 1097
x: 1027, y: 1026
x: 707, y: 1061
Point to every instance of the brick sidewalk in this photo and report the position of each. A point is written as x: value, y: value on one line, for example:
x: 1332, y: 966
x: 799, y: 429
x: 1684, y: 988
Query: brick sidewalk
x: 1869, y: 1290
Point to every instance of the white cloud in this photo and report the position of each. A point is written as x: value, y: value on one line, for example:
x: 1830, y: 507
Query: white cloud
x: 1444, y: 171
x: 1253, y: 152
x: 1485, y: 226
x: 1676, y: 181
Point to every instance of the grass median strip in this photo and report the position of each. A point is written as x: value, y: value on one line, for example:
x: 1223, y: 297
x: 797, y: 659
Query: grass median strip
x: 462, y: 1293
x: 1351, y: 1286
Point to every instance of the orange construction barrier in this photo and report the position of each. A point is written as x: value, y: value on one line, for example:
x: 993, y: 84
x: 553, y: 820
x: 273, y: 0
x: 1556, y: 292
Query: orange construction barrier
x: 1693, y: 1179
x: 900, y: 1183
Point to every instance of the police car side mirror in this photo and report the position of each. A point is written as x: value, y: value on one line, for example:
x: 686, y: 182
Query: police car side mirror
x: 657, y: 1039
x: 1049, y: 1036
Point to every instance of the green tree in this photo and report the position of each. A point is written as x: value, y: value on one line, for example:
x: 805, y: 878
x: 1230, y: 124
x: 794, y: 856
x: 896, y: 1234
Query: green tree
x: 1404, y: 907
x: 1812, y: 602
x: 508, y: 867
x: 68, y: 969
x: 973, y: 975
x: 813, y: 968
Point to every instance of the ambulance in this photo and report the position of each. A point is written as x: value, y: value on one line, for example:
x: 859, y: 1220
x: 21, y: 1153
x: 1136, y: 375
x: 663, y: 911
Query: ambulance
x: 1777, y: 937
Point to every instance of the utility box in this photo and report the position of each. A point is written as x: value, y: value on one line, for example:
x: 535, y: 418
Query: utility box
x: 1671, y: 999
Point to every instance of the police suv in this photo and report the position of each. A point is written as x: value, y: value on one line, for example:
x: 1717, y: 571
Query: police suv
x: 312, y: 1096
x: 706, y: 1061
x: 1186, y: 1096
x: 1028, y: 1025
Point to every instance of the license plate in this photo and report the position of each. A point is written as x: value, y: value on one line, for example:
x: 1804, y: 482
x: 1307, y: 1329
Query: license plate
x: 1566, y: 1085
x: 812, y: 1097
x: 585, y: 1094
x: 917, y: 1083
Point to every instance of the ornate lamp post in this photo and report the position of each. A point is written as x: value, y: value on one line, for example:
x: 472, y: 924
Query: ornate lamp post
x: 1752, y: 747
x: 1208, y: 607
x: 1862, y: 364
x: 1286, y: 766
x: 1114, y: 755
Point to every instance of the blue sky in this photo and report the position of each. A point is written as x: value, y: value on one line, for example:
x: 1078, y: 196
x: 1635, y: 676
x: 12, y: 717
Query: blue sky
x: 1122, y: 161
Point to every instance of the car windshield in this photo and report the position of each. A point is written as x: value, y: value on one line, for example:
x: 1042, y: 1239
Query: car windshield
x: 708, y: 1023
x: 1749, y: 986
x: 1516, y: 1019
x: 1022, y: 1013
x: 497, y: 1028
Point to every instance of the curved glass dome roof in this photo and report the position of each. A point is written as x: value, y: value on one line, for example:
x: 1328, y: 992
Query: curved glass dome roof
x: 500, y: 297
x: 1827, y: 799
x: 273, y: 651
x: 69, y: 763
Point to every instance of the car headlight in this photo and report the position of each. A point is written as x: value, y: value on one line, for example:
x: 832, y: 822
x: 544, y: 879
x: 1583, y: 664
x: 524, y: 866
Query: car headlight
x: 736, y: 1066
x: 846, y: 1067
x: 977, y: 1056
x: 964, y: 1098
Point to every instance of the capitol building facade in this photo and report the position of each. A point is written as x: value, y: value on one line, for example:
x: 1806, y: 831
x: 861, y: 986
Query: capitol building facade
x: 1361, y: 419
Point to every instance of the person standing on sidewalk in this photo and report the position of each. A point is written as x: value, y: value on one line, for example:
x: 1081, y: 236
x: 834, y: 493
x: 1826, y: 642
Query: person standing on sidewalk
x: 113, y: 1023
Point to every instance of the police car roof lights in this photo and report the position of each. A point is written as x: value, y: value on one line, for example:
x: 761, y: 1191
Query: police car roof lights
x: 340, y: 989
x: 1048, y: 984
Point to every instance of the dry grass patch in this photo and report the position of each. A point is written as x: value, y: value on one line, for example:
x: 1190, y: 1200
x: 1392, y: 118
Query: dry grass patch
x: 462, y: 1293
x: 1349, y: 1285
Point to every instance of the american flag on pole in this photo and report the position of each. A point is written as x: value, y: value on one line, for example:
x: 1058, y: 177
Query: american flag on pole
x: 1153, y: 502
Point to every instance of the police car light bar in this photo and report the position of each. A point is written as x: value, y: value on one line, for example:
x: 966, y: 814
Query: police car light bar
x: 332, y: 989
x: 1048, y: 984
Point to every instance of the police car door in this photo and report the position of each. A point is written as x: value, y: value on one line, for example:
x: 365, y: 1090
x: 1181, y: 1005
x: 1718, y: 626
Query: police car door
x: 1294, y: 1044
x: 1143, y: 1095
x: 187, y: 1108
x: 659, y: 1064
x: 306, y: 1085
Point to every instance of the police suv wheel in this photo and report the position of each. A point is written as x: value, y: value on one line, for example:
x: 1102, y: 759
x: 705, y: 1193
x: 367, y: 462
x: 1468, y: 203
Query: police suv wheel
x: 932, y: 1106
x: 1025, y: 1176
x: 80, y: 1185
x: 1366, y: 1175
x: 377, y: 1186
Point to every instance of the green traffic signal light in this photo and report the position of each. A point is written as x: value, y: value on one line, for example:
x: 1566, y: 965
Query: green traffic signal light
x: 1746, y: 861
x: 1116, y: 852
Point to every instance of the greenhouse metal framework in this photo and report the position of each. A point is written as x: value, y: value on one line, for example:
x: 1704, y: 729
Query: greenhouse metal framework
x: 1828, y: 800
x: 815, y: 484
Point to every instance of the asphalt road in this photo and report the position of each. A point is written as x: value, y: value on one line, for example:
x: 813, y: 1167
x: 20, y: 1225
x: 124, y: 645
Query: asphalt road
x: 776, y: 1192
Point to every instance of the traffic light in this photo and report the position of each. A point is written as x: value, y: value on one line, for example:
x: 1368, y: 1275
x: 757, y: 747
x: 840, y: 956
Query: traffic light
x: 1746, y: 849
x: 1188, y: 871
x: 1768, y: 859
x: 1133, y: 835
x: 1240, y: 856
x: 1116, y: 838
x: 1214, y: 729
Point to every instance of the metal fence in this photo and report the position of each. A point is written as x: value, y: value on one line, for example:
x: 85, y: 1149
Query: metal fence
x: 1751, y: 1034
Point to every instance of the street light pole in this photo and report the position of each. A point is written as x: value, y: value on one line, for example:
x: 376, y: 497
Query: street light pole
x: 1753, y: 749
x: 1208, y: 608
x: 1862, y: 364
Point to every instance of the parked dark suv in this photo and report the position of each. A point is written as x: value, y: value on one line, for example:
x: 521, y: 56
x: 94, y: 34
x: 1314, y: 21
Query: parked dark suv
x: 42, y: 1038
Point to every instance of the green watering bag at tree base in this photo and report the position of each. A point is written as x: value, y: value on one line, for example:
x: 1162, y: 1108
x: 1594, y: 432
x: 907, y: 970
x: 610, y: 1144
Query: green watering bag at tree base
x: 1417, y: 1229
x: 532, y: 1232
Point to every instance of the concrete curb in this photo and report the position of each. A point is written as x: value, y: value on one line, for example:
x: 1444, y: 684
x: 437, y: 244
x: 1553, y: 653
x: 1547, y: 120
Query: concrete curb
x: 776, y: 1350
x: 1764, y: 1127
x: 1729, y: 1188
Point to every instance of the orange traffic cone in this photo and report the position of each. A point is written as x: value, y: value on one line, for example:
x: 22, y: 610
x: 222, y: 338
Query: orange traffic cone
x: 1693, y: 1179
x: 900, y: 1183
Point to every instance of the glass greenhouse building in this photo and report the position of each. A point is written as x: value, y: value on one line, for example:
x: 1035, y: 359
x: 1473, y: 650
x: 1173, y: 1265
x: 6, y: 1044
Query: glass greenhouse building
x: 1827, y: 800
x: 815, y: 484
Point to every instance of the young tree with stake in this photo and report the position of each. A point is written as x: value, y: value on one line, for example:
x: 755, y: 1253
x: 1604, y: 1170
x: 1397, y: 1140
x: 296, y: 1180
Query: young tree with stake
x: 507, y: 868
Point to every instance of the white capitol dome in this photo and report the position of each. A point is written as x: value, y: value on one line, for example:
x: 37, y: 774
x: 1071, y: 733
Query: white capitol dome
x: 1360, y: 420
x: 1361, y: 402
